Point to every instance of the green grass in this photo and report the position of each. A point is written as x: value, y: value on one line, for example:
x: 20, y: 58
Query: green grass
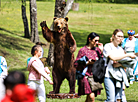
x: 91, y: 17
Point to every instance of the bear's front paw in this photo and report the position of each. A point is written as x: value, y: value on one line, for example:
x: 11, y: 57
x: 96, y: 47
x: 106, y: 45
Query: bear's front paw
x: 71, y: 49
x: 42, y: 24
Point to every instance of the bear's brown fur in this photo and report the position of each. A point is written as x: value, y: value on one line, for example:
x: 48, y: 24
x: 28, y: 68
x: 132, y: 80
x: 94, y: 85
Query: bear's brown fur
x: 64, y: 46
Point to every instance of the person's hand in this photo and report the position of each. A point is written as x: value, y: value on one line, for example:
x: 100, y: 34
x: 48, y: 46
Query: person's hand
x: 51, y: 82
x: 132, y: 55
x: 136, y: 54
x: 47, y: 70
x: 116, y: 64
x: 90, y: 62
x: 100, y: 46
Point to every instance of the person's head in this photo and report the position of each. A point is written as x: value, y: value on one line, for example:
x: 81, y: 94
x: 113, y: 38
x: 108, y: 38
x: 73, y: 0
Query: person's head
x: 117, y: 36
x: 13, y: 78
x: 92, y: 39
x: 36, y: 50
x: 130, y: 34
x: 22, y: 93
x: 38, y: 43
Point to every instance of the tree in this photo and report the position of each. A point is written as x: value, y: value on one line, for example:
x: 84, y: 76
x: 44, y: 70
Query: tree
x: 33, y: 21
x: 61, y: 10
x: 25, y: 21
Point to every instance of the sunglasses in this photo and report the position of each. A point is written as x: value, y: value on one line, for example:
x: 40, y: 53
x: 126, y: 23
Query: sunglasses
x: 96, y: 40
x: 130, y: 35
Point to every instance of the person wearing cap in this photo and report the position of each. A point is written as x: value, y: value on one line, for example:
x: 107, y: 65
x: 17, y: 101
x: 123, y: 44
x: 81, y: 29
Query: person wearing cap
x: 130, y: 45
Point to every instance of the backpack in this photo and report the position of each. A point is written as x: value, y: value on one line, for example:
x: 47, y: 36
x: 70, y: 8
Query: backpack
x: 28, y: 60
x: 99, y: 69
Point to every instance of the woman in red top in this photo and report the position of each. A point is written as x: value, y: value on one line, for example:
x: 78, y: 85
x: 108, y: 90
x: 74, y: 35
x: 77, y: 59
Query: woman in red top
x: 89, y: 50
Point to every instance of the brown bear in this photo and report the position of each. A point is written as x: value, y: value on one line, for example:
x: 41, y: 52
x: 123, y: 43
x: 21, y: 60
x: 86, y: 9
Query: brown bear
x: 64, y: 46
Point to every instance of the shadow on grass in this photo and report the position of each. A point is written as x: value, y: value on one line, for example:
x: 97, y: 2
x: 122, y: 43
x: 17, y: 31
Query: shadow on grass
x: 7, y: 31
x: 11, y: 42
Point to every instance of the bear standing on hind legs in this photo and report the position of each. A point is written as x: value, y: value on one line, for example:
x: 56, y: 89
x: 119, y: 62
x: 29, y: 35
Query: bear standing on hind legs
x: 64, y: 47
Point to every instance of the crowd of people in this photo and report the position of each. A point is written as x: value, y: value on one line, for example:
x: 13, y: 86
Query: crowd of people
x: 118, y: 74
x: 13, y: 84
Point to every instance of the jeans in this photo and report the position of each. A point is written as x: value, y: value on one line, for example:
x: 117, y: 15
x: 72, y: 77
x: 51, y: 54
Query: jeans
x: 112, y: 93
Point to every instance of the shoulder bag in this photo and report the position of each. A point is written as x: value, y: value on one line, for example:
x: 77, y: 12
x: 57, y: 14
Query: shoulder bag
x: 94, y: 85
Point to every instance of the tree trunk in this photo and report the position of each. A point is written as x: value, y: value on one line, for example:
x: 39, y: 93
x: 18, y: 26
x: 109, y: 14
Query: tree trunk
x: 61, y: 10
x: 33, y: 20
x: 68, y: 7
x: 25, y: 21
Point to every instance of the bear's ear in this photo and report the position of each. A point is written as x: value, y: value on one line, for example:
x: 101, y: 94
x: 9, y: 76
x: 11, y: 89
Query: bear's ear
x: 66, y: 19
x: 54, y: 18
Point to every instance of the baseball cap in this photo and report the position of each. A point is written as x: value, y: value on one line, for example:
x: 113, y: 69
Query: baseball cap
x: 131, y: 32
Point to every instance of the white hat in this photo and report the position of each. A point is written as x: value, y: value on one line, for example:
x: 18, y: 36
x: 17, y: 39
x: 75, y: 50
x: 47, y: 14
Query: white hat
x: 136, y: 35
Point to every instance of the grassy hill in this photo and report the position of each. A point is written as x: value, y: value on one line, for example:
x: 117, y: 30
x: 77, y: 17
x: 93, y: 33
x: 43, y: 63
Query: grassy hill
x: 91, y: 17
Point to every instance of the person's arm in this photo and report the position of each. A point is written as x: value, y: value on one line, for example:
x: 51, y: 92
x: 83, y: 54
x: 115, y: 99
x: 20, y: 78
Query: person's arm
x: 100, y: 46
x: 116, y: 57
x: 36, y: 66
x: 47, y: 70
x: 108, y: 52
x: 79, y: 66
x: 90, y: 62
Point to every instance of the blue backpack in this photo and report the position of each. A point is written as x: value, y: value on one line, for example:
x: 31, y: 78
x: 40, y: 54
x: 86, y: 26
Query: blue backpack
x: 28, y: 60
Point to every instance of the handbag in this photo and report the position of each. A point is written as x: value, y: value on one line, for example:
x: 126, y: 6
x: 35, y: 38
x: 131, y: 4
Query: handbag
x: 94, y: 85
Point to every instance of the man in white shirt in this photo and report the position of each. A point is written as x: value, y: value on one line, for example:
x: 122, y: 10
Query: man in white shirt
x: 130, y: 46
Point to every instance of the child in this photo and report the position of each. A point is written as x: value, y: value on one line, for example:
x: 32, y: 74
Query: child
x: 36, y: 71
